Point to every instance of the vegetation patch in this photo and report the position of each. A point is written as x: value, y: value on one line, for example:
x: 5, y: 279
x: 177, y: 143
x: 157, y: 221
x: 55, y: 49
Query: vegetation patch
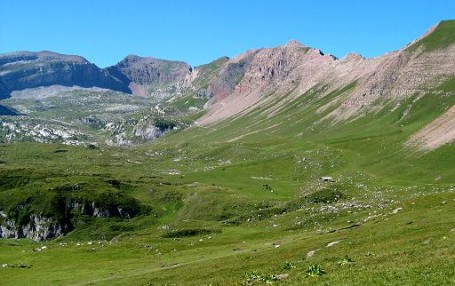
x: 190, y: 232
x: 326, y: 195
x: 252, y: 278
x: 440, y: 38
x: 314, y: 270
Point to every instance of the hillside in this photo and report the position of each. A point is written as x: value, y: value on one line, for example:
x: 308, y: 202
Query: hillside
x: 300, y: 169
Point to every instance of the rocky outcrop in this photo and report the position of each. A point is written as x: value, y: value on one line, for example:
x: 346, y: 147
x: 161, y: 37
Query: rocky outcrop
x: 149, y: 76
x: 147, y: 132
x: 63, y: 211
x: 22, y: 70
x: 22, y: 129
x: 38, y: 228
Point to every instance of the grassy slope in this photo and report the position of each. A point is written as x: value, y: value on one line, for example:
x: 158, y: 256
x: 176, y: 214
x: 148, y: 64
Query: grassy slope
x: 441, y: 38
x: 414, y: 246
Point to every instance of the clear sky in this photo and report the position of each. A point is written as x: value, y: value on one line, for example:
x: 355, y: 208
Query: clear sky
x: 199, y: 31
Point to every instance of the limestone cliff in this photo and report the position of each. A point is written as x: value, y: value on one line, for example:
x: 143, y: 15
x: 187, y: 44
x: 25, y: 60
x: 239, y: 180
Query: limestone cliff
x: 22, y: 70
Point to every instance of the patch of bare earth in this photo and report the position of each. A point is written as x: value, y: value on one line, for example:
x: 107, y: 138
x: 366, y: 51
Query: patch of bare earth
x: 439, y: 132
x: 229, y: 107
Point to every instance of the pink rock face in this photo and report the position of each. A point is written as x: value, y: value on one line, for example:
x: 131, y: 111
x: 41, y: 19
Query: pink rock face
x: 439, y: 132
x: 258, y: 76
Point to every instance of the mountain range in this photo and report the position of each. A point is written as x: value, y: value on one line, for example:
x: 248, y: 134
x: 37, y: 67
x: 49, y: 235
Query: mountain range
x: 238, y: 85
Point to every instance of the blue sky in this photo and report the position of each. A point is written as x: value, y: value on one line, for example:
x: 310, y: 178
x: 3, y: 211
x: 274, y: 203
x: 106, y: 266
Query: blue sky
x: 199, y: 31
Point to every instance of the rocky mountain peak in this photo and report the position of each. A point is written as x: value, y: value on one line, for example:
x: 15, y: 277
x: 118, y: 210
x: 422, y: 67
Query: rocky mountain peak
x: 146, y: 75
x: 353, y: 57
x: 294, y: 44
x: 131, y: 59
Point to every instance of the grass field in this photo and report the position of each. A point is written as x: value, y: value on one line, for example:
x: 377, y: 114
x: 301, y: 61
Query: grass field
x: 244, y: 212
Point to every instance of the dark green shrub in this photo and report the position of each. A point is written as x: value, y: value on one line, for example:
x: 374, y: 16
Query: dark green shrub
x: 117, y: 204
x: 164, y: 123
x: 189, y: 232
x: 326, y: 195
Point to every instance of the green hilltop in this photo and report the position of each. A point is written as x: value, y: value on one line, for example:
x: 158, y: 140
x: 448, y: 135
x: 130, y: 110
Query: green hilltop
x: 440, y: 38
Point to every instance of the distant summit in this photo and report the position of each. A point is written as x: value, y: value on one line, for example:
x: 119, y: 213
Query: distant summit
x: 143, y: 75
x: 134, y: 74
x: 22, y: 70
x: 294, y: 44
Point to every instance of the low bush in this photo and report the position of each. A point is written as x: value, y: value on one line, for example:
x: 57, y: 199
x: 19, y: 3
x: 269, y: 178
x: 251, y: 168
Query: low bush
x: 189, y: 232
x: 326, y: 195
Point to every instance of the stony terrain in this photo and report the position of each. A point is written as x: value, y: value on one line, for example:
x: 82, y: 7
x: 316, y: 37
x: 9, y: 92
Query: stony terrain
x: 83, y: 116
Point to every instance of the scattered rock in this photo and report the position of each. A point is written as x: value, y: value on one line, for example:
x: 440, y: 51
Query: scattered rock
x: 282, y: 276
x: 310, y: 253
x: 333, y: 243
